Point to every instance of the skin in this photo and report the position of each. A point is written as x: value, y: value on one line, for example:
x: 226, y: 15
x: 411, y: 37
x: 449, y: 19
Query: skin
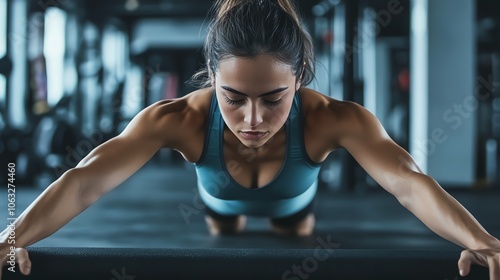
x: 180, y: 124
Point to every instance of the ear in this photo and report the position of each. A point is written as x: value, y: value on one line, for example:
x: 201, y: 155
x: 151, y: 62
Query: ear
x: 298, y: 84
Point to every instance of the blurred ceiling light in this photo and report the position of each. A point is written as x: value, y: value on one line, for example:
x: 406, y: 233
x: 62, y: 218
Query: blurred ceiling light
x: 132, y: 5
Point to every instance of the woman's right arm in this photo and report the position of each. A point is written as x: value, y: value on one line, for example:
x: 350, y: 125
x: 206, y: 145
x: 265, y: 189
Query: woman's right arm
x: 99, y: 172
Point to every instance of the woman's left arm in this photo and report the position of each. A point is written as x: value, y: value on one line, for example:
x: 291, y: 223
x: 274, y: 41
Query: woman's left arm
x: 395, y: 170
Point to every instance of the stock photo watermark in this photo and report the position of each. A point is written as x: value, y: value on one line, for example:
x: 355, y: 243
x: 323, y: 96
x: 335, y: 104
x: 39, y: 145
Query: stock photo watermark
x: 381, y: 19
x: 219, y: 180
x: 310, y: 264
x: 11, y: 210
x: 453, y: 117
x: 121, y: 276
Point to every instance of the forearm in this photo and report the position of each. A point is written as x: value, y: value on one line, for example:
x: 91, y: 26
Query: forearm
x: 55, y: 207
x: 444, y: 215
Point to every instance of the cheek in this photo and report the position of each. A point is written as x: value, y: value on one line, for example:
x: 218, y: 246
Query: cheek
x: 234, y: 117
x: 230, y: 114
x: 280, y: 113
x: 276, y: 115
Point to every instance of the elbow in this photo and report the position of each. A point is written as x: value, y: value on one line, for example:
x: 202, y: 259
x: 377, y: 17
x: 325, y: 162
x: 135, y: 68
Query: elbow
x: 75, y: 178
x: 403, y: 194
x: 413, y: 186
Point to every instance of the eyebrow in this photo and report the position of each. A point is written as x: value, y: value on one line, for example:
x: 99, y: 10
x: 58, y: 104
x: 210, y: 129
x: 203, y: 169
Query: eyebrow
x: 264, y: 94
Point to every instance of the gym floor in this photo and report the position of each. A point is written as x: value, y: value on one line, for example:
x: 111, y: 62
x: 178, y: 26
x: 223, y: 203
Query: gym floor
x: 144, y: 212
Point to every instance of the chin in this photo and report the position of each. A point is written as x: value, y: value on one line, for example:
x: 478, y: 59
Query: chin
x: 254, y: 144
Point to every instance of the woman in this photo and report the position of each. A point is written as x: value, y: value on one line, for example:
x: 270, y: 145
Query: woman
x: 257, y: 138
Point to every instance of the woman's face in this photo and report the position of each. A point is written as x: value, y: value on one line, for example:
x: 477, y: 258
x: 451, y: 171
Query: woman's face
x: 254, y: 96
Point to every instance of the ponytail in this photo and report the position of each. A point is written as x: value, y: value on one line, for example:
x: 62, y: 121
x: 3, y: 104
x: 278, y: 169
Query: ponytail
x: 223, y: 6
x: 290, y: 9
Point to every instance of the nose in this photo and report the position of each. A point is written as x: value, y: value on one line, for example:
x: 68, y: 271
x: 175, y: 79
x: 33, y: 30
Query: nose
x: 253, y: 115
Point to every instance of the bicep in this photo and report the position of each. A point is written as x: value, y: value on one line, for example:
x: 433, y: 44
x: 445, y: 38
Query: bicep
x: 112, y: 162
x: 383, y: 159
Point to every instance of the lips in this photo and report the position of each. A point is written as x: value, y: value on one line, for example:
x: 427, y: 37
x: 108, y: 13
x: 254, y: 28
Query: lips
x: 253, y: 135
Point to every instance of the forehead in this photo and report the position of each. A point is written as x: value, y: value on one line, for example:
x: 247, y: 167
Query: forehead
x: 259, y: 68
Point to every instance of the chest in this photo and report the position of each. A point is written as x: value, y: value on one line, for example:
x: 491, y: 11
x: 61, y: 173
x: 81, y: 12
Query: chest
x: 254, y: 168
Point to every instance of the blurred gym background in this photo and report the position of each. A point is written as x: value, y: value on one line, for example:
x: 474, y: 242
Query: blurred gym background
x: 73, y: 73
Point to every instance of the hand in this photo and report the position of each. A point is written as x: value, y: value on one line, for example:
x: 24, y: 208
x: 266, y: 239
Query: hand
x: 21, y: 258
x: 489, y: 257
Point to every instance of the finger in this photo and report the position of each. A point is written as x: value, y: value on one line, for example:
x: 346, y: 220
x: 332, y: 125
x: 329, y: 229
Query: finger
x: 464, y: 262
x: 23, y: 260
x: 494, y: 264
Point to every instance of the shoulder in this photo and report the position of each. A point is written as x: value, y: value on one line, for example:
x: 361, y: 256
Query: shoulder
x: 337, y: 120
x: 171, y: 120
x: 319, y: 105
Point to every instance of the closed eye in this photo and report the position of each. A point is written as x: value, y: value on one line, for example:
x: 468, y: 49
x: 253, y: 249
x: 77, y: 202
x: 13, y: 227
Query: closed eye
x: 239, y: 102
x: 274, y: 103
x: 234, y: 102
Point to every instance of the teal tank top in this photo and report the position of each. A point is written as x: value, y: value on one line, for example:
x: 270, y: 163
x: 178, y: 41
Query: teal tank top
x: 293, y: 188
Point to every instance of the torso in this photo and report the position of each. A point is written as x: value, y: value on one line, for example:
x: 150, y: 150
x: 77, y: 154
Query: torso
x: 257, y: 169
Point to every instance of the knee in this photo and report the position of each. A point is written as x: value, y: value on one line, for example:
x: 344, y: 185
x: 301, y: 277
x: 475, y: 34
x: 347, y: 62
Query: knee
x: 304, y: 227
x: 218, y: 227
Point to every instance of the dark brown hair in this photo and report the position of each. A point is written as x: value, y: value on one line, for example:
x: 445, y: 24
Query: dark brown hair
x: 247, y: 28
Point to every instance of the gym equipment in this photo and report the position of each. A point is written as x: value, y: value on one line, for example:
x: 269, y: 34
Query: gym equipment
x: 15, y: 148
x: 109, y: 111
x: 41, y: 152
x: 52, y: 140
x: 231, y: 263
x: 5, y: 66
